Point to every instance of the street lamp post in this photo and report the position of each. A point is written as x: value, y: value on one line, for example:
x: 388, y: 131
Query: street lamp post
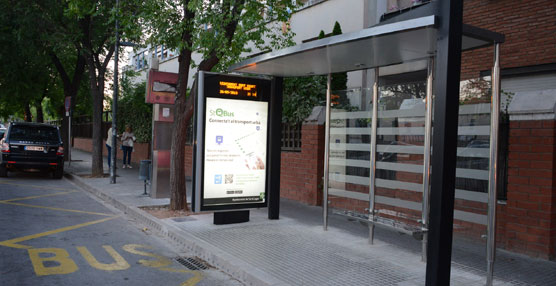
x: 115, y: 103
x: 115, y: 98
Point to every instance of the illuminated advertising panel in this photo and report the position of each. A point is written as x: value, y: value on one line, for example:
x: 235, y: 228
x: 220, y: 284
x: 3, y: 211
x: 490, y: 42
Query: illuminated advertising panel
x: 231, y: 151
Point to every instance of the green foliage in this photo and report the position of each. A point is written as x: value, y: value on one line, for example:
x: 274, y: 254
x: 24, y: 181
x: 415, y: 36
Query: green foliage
x: 338, y: 81
x: 337, y: 30
x: 133, y: 111
x: 211, y: 22
x: 26, y: 74
x: 301, y: 94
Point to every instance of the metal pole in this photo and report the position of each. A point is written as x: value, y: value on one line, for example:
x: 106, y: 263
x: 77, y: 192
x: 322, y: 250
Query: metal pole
x: 275, y: 147
x: 492, y: 178
x: 326, y: 155
x: 372, y: 171
x: 444, y: 141
x: 427, y: 160
x: 69, y: 137
x: 115, y: 103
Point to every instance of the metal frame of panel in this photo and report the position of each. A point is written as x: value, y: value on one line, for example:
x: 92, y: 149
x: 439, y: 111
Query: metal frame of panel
x: 326, y: 155
x: 426, y: 158
x: 372, y: 173
x: 492, y: 178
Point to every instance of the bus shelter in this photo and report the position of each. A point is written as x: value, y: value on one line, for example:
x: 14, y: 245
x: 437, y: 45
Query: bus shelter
x: 382, y: 154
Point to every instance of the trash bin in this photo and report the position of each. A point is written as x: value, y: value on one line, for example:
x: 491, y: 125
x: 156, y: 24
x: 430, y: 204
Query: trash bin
x: 145, y: 170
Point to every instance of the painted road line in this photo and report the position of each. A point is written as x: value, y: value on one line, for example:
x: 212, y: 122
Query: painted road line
x: 36, y: 186
x: 36, y: 197
x: 13, y: 242
x: 197, y: 276
x: 53, y: 208
x: 160, y: 262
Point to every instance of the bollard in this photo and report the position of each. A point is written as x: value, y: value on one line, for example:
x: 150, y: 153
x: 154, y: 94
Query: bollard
x: 145, y: 173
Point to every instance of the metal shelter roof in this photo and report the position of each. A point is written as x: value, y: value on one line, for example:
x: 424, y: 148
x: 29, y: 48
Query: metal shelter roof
x: 377, y: 46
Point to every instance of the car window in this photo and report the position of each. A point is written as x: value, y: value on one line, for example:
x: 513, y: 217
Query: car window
x: 34, y: 133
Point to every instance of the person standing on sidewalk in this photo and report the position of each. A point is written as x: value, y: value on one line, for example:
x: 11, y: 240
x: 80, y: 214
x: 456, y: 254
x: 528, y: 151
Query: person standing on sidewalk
x: 127, y: 146
x: 109, y: 145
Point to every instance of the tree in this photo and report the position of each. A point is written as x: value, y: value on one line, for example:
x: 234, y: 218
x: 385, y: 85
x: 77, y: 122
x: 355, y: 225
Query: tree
x: 338, y: 81
x: 26, y: 76
x: 95, y: 20
x: 48, y: 34
x: 134, y: 111
x: 301, y: 94
x: 221, y: 31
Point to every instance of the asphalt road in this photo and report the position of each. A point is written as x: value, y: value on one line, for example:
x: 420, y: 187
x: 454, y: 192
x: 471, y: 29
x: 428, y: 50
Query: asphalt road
x: 53, y: 233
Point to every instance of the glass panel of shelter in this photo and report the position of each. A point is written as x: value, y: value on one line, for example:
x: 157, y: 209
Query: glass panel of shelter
x: 400, y: 152
x: 400, y: 149
x: 349, y: 161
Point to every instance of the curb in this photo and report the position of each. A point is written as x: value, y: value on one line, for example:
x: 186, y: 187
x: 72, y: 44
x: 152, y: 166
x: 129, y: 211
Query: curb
x: 236, y: 268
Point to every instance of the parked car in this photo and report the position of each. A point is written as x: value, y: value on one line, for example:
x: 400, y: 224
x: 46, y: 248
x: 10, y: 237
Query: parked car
x: 32, y: 146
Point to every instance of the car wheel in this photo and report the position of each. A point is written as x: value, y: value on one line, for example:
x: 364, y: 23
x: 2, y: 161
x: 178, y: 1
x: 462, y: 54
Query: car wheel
x: 58, y: 173
x: 3, y: 171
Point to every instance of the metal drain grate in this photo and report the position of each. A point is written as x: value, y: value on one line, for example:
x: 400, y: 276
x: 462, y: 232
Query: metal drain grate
x: 192, y: 263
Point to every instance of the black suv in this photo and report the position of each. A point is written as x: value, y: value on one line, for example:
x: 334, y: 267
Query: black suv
x: 32, y: 146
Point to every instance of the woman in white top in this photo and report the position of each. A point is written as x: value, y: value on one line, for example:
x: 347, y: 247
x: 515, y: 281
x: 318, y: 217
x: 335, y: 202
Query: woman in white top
x: 109, y: 145
x: 127, y: 146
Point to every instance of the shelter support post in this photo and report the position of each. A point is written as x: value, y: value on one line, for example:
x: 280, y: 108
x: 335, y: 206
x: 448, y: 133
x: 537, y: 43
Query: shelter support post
x: 326, y: 155
x: 427, y: 159
x: 372, y: 172
x: 492, y: 174
x: 444, y: 142
x: 275, y: 147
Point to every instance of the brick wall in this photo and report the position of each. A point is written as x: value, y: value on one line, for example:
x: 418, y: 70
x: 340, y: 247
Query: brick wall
x: 527, y: 224
x: 141, y: 151
x: 528, y: 25
x: 301, y: 172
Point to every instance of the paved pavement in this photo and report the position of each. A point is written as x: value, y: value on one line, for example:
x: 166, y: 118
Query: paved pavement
x: 56, y: 234
x: 295, y: 250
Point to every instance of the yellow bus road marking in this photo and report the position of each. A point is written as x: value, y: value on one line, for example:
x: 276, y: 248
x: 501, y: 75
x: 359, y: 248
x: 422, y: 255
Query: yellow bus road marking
x: 197, y: 276
x: 65, y: 264
x: 35, y: 186
x: 36, y: 197
x: 119, y: 261
x: 53, y: 208
x: 13, y: 242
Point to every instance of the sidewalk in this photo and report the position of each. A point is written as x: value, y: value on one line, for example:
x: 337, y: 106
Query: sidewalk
x: 295, y: 250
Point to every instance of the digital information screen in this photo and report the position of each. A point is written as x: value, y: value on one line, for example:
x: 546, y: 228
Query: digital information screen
x: 231, y: 157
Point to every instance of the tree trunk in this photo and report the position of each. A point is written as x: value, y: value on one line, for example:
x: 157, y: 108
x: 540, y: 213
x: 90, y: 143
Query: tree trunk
x: 96, y: 84
x: 27, y: 116
x: 178, y: 199
x: 184, y: 106
x: 71, y: 86
x: 40, y: 116
x: 96, y: 168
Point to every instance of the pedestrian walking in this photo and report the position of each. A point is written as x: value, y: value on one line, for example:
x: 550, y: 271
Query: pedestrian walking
x: 109, y: 145
x: 127, y: 146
